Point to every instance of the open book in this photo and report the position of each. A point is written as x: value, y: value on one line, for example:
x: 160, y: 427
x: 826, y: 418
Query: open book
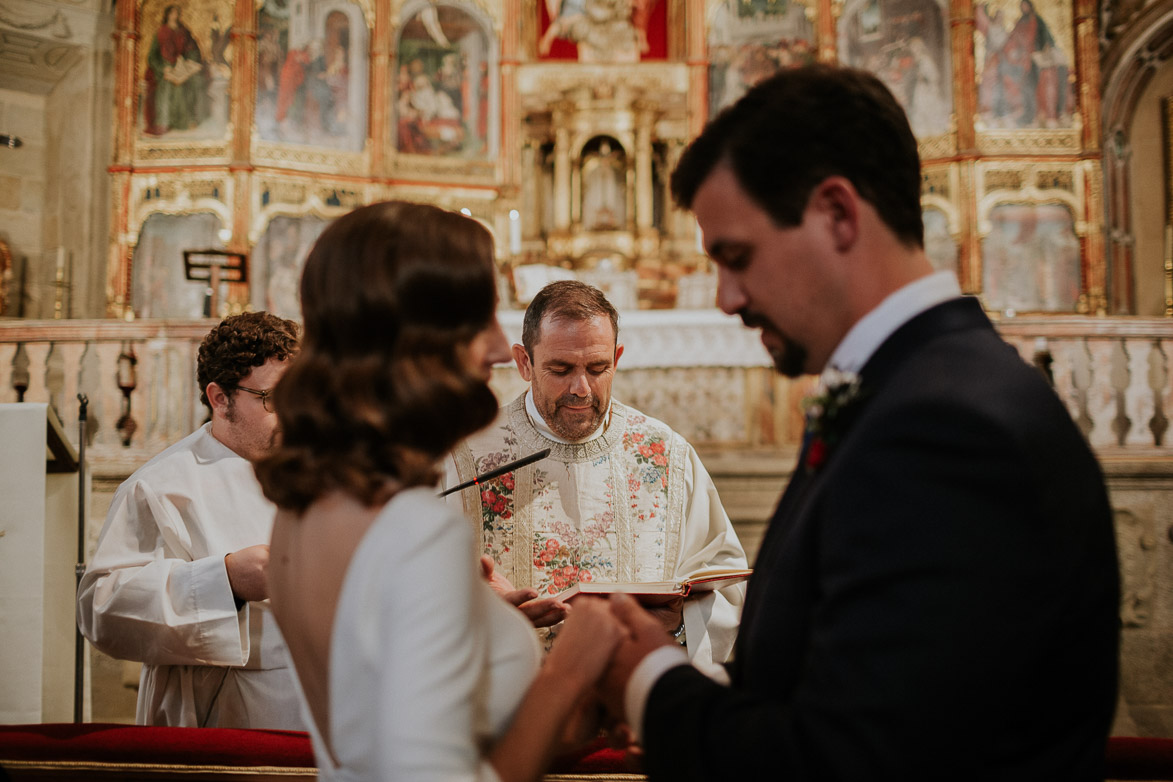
x: 661, y: 591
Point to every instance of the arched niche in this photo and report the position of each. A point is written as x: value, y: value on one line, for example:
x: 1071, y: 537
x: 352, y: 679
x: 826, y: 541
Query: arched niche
x: 603, y: 166
x: 159, y: 286
x: 277, y: 260
x: 1138, y: 77
x: 1031, y: 258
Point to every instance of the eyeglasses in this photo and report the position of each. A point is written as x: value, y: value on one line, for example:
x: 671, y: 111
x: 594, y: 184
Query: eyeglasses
x: 266, y: 396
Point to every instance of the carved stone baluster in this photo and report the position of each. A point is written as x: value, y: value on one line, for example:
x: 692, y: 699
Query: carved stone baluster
x: 1158, y: 377
x: 55, y: 377
x: 1081, y: 381
x: 1119, y: 376
x: 127, y: 382
x: 1101, y: 396
x: 20, y: 372
x: 1138, y: 397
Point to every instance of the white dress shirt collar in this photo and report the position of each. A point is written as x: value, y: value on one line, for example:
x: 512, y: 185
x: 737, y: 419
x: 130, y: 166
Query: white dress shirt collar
x: 544, y: 429
x: 866, y: 336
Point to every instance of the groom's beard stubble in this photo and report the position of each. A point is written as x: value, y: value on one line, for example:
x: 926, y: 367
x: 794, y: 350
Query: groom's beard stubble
x: 789, y: 356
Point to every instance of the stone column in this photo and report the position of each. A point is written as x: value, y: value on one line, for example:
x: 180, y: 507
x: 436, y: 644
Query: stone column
x: 644, y: 198
x: 561, y: 172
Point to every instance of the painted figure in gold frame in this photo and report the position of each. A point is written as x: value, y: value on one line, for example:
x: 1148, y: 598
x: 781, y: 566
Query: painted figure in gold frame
x: 1024, y: 71
x: 184, y: 88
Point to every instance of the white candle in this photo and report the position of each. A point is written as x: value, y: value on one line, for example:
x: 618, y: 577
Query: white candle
x: 514, y: 232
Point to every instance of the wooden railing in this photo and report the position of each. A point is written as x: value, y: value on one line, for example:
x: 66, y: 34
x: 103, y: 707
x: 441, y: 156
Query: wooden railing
x: 1113, y: 374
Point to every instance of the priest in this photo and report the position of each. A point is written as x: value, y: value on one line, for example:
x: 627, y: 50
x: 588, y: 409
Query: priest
x: 621, y: 497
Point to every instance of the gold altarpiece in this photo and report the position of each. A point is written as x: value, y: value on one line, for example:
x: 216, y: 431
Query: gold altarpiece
x: 285, y: 115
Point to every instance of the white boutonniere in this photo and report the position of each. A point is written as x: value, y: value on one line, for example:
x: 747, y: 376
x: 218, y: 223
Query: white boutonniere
x: 835, y: 392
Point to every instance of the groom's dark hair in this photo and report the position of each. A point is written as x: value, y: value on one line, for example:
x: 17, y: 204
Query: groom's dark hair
x: 802, y: 125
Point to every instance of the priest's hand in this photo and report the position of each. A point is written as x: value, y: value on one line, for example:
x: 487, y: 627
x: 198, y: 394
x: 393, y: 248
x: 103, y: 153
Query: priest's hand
x: 247, y: 572
x: 670, y: 614
x: 542, y: 612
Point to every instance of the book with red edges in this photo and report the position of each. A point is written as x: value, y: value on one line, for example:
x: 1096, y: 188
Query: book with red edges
x: 661, y: 591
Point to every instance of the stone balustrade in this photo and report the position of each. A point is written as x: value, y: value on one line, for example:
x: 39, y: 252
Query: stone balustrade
x: 700, y: 371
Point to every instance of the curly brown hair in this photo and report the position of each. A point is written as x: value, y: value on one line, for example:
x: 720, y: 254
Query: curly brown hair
x: 391, y: 296
x: 238, y: 344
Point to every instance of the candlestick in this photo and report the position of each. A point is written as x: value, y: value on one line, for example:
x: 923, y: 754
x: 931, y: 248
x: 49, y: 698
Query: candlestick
x: 514, y: 232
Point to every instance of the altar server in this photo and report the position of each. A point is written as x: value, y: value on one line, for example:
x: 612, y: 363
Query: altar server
x: 178, y: 580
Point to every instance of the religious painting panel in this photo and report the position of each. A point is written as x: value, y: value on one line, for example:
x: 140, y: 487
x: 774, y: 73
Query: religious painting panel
x: 184, y: 69
x: 1031, y: 259
x: 749, y: 41
x: 446, y: 86
x: 602, y: 30
x: 1023, y: 55
x: 159, y: 285
x: 906, y: 44
x: 940, y: 246
x: 277, y: 261
x: 312, y: 70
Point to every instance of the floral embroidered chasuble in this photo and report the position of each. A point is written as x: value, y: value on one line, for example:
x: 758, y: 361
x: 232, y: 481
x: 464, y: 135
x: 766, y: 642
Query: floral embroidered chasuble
x: 633, y: 504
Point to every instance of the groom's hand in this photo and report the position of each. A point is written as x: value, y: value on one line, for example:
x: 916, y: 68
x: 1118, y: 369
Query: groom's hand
x: 645, y: 634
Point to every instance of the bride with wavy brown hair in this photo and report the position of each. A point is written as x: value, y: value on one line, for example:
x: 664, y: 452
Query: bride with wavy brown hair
x: 410, y: 666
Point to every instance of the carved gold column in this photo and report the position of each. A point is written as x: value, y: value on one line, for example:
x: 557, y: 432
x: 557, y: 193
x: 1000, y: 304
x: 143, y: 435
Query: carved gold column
x: 531, y: 183
x: 970, y: 246
x: 510, y: 105
x: 119, y: 260
x: 698, y: 68
x: 380, y: 100
x: 242, y: 109
x: 961, y: 25
x: 827, y: 12
x: 643, y: 169
x: 244, y: 82
x: 561, y: 170
x: 1087, y: 69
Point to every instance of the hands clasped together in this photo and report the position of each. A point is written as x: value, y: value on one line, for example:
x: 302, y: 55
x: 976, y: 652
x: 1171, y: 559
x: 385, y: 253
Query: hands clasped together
x: 601, y: 642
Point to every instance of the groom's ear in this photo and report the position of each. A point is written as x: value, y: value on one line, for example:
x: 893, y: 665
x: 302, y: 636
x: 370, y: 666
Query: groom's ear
x: 837, y: 201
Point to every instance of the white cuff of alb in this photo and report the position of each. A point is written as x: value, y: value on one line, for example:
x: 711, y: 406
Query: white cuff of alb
x: 644, y: 677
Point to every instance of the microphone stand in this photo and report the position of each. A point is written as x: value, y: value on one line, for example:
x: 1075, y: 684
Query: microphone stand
x: 80, y: 567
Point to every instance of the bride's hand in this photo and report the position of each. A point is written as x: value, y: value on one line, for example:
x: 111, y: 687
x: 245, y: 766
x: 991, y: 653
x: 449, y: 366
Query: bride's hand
x: 588, y: 637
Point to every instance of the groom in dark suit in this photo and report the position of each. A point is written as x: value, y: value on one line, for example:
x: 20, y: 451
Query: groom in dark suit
x: 936, y: 596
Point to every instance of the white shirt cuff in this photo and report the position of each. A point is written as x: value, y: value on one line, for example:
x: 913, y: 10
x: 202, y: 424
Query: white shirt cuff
x: 643, y: 678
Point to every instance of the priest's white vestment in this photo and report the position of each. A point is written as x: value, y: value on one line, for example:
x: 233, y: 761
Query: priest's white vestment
x: 631, y: 503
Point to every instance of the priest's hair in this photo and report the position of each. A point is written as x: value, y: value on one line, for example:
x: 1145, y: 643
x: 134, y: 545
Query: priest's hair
x: 391, y: 295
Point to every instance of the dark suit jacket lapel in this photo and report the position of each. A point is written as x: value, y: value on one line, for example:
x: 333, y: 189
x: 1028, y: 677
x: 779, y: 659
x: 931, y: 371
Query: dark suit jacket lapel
x: 953, y: 315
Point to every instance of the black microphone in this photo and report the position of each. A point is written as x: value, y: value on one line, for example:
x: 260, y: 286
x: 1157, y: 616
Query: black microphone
x: 491, y: 474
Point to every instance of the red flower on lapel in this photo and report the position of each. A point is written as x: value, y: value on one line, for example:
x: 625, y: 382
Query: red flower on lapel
x: 816, y: 454
x: 835, y: 392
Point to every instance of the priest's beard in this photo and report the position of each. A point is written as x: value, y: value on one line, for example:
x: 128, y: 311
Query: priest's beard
x: 573, y: 425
